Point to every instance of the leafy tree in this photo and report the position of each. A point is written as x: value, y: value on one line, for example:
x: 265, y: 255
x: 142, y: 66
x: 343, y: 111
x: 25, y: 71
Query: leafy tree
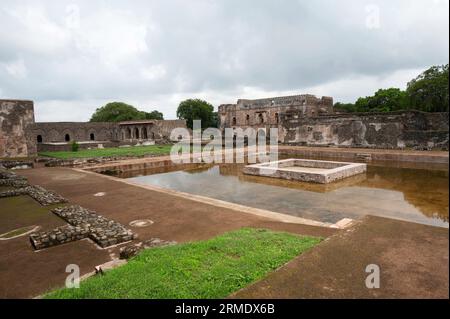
x: 154, y: 115
x: 196, y: 109
x: 384, y: 100
x: 429, y: 91
x: 344, y: 107
x: 118, y: 111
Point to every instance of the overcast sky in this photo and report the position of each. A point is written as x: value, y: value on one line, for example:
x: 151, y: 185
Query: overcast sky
x: 71, y: 57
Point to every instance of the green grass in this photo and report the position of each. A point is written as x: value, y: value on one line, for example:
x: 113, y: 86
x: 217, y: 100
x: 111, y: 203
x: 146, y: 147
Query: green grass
x: 114, y: 151
x: 206, y: 269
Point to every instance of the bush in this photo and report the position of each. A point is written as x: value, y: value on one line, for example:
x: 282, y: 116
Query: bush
x: 75, y: 146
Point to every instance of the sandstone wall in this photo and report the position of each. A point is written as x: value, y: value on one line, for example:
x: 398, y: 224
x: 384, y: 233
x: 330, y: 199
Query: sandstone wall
x: 411, y: 129
x: 264, y: 113
x: 15, y: 116
x: 51, y: 132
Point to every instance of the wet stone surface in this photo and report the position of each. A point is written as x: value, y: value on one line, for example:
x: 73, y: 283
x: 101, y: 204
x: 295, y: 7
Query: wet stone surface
x: 83, y: 223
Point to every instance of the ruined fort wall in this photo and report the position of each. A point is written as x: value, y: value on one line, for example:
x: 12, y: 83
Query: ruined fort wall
x: 264, y: 113
x: 165, y: 127
x: 411, y: 129
x: 15, y: 116
x: 52, y: 132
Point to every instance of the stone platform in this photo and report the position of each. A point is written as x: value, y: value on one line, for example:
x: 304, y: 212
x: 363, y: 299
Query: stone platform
x: 304, y: 170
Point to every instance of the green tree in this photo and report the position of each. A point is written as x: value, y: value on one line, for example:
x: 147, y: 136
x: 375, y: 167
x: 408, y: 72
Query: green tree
x: 196, y: 109
x: 118, y: 111
x: 429, y: 91
x: 154, y: 115
x: 384, y: 100
x: 344, y: 107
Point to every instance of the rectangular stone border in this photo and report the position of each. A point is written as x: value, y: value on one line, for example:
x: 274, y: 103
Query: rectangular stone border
x: 280, y: 169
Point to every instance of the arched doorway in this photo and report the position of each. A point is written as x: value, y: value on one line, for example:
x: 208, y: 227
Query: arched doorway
x: 129, y: 133
x: 92, y: 137
x: 67, y: 138
x: 136, y: 133
x: 39, y: 138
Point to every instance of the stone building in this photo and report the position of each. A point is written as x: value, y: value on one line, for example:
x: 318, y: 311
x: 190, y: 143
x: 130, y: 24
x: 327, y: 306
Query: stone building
x: 310, y: 121
x: 265, y: 113
x: 21, y: 136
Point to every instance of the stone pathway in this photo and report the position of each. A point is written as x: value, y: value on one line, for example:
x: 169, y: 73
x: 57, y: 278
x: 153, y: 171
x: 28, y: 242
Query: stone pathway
x: 83, y: 223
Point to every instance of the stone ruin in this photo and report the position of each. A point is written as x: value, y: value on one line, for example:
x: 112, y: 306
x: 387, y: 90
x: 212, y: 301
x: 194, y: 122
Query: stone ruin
x: 21, y: 187
x: 83, y: 223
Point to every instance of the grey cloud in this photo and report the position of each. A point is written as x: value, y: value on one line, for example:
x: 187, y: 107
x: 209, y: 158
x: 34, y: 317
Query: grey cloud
x: 150, y: 50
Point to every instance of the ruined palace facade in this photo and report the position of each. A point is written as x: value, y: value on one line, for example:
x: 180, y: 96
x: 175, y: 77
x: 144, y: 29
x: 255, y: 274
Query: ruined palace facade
x: 265, y: 113
x: 310, y: 121
x: 21, y: 136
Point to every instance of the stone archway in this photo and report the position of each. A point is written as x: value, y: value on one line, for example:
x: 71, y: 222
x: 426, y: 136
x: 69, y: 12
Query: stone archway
x: 136, y: 133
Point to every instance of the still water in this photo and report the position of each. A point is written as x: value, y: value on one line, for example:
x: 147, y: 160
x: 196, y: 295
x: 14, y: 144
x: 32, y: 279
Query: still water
x: 417, y: 195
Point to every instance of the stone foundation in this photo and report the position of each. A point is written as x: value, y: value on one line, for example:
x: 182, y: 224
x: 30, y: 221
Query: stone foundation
x: 38, y: 193
x: 83, y: 223
x: 314, y: 171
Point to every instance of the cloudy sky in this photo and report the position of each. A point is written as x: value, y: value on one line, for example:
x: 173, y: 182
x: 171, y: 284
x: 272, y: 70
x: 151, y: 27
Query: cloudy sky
x: 71, y: 57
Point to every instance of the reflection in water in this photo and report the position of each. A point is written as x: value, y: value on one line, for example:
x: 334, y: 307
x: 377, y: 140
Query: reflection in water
x: 403, y: 193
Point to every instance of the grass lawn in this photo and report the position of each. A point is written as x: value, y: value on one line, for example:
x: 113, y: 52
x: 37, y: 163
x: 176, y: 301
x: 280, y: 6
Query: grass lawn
x: 113, y: 151
x: 206, y: 269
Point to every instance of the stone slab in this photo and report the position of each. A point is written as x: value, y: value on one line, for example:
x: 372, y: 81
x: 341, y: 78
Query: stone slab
x: 304, y: 170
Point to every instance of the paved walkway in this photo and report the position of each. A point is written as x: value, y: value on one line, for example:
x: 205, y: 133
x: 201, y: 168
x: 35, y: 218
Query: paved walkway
x: 413, y: 261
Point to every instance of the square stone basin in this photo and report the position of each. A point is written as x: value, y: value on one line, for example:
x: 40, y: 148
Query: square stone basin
x: 305, y: 170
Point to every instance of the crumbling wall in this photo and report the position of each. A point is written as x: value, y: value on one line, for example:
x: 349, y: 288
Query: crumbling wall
x: 15, y: 116
x: 409, y: 129
x: 51, y: 132
x: 264, y: 113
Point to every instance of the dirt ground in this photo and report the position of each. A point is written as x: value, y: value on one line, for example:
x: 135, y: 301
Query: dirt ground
x: 25, y: 273
x: 412, y: 258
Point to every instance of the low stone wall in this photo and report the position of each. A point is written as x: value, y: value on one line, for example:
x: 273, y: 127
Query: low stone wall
x: 58, y: 236
x: 8, y: 178
x: 83, y: 224
x: 10, y: 164
x: 38, y: 193
x: 396, y: 130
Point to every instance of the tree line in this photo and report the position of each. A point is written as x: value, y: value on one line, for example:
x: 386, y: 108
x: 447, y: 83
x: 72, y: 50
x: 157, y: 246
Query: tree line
x: 428, y: 92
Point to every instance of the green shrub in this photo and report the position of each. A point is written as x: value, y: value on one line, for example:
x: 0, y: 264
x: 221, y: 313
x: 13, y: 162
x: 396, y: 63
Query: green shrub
x: 75, y: 146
